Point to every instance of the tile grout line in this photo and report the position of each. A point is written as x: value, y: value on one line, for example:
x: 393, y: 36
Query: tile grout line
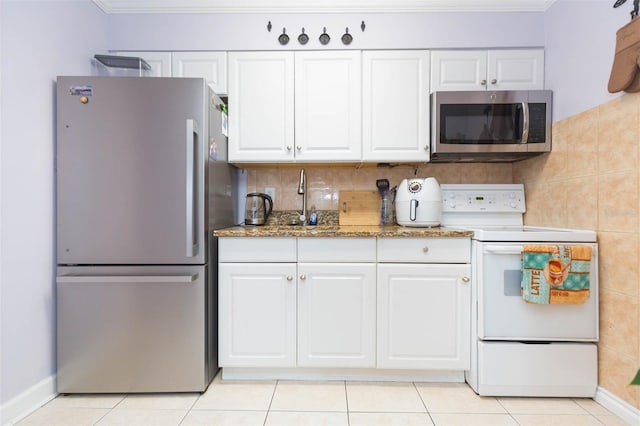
x: 195, y: 401
x: 346, y: 400
x: 273, y: 395
x: 423, y: 403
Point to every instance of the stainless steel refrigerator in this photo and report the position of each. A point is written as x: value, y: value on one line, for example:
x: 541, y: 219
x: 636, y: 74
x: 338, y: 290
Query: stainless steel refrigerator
x: 142, y: 181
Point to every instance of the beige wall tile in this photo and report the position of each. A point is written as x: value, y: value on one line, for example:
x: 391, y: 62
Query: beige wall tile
x: 582, y: 202
x: 546, y: 204
x: 618, y: 202
x: 619, y: 262
x: 615, y: 372
x: 618, y: 324
x: 582, y: 144
x: 618, y: 135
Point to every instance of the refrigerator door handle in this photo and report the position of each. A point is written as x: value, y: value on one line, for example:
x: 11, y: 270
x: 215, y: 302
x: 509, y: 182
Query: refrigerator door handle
x: 127, y: 279
x: 192, y: 139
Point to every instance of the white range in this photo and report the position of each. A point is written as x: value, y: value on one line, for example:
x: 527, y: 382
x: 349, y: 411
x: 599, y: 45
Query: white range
x: 520, y: 348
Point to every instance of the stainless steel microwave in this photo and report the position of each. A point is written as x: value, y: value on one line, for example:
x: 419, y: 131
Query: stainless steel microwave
x: 498, y: 126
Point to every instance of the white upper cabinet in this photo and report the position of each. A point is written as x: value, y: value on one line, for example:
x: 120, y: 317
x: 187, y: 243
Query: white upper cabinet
x: 302, y: 106
x: 520, y: 69
x: 212, y: 66
x: 395, y: 103
x: 328, y: 106
x: 160, y: 62
x: 516, y: 69
x: 261, y: 108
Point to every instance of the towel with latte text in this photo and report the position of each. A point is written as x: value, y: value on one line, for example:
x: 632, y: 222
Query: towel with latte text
x: 556, y: 274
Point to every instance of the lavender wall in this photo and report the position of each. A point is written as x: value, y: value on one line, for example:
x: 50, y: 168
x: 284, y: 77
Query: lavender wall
x: 383, y: 31
x: 40, y: 39
x: 580, y: 44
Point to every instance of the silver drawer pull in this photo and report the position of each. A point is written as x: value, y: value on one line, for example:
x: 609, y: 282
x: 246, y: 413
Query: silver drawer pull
x: 466, y: 280
x: 303, y: 277
x: 425, y: 249
x: 289, y: 278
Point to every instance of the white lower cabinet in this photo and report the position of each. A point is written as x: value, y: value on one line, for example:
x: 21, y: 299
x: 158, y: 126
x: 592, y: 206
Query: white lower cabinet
x: 385, y: 303
x: 337, y: 315
x: 257, y: 314
x: 424, y: 303
x: 424, y: 316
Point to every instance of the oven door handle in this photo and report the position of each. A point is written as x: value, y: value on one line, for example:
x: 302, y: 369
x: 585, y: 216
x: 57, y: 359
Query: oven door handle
x: 496, y: 249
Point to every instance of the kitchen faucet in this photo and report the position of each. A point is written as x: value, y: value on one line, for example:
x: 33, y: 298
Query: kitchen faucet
x: 302, y: 189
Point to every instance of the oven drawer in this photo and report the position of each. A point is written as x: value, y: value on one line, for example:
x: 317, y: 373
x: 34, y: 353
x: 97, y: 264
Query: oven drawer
x: 424, y: 250
x: 551, y: 370
x: 504, y: 315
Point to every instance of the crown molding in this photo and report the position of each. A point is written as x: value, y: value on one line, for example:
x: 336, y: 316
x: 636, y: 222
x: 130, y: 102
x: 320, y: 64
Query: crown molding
x: 320, y: 6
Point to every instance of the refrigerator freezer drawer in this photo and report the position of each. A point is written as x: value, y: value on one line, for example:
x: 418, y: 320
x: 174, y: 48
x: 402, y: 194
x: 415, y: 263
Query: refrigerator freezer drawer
x: 132, y: 329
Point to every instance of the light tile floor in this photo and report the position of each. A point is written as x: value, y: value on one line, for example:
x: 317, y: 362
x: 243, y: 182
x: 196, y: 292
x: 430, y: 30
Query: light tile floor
x: 299, y: 403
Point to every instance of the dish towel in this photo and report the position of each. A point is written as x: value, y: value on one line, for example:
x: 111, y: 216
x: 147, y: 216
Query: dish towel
x: 555, y: 274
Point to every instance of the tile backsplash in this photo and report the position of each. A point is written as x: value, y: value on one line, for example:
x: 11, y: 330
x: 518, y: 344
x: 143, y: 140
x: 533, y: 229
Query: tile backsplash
x: 324, y: 182
x: 591, y: 180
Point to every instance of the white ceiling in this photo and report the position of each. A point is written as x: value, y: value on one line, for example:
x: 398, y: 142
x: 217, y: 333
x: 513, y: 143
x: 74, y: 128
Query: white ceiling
x: 326, y: 6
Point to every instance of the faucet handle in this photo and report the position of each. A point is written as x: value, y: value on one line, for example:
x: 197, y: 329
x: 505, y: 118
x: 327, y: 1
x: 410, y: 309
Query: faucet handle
x: 302, y: 218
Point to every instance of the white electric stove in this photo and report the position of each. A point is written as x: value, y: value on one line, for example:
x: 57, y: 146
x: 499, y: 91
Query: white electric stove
x: 519, y: 348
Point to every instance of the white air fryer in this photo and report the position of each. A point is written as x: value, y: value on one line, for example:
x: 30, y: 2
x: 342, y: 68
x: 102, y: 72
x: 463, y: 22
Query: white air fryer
x: 419, y: 202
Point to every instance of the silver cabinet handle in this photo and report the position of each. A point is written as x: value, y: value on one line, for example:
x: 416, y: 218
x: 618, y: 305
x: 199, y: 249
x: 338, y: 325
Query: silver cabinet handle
x: 303, y: 277
x: 466, y: 280
x: 344, y: 206
x: 127, y: 279
x: 483, y: 82
x: 192, y: 140
x: 289, y: 278
x: 288, y: 147
x: 494, y: 81
x: 425, y: 249
x: 299, y: 147
x: 426, y: 148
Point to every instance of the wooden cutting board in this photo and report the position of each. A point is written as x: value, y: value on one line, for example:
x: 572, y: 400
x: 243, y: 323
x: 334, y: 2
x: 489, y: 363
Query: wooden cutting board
x: 359, y: 208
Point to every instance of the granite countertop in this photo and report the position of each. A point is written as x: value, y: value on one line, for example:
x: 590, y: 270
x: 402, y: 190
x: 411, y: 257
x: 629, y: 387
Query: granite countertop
x: 340, y: 231
x: 279, y: 225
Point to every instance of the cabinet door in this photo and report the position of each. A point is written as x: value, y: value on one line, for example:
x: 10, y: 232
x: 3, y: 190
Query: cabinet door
x: 160, y: 62
x: 516, y: 69
x: 212, y: 66
x: 424, y: 316
x: 328, y: 106
x: 336, y: 314
x: 458, y: 70
x: 261, y: 106
x: 395, y: 99
x: 257, y: 311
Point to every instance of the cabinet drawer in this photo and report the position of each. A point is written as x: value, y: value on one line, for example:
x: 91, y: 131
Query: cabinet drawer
x: 247, y: 249
x: 424, y: 250
x: 336, y: 250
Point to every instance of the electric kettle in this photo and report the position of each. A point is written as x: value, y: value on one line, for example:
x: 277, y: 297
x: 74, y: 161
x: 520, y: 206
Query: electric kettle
x: 419, y: 202
x: 256, y: 211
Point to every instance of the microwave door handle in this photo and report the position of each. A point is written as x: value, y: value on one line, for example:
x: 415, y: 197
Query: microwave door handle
x: 525, y: 122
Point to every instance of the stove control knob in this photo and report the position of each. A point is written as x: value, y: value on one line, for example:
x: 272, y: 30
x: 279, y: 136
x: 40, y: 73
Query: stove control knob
x: 452, y: 204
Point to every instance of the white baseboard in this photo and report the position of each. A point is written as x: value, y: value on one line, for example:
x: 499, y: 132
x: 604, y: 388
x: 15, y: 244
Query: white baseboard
x: 28, y: 401
x: 617, y: 406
